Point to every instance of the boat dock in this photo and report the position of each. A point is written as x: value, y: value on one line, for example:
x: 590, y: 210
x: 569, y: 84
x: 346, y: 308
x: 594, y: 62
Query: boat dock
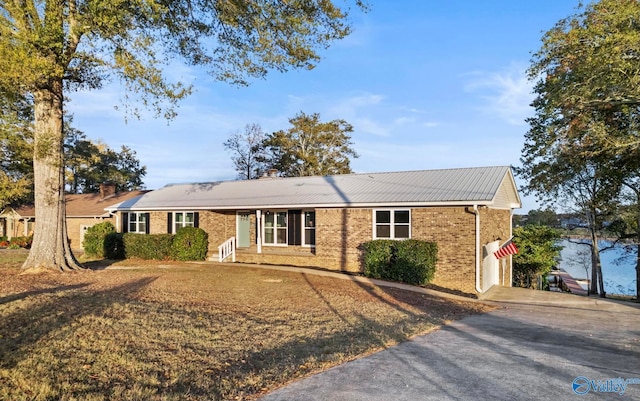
x: 569, y: 282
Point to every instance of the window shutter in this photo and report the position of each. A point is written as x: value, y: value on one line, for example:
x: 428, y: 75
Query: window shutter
x: 196, y: 219
x: 125, y: 222
x: 147, y: 220
x: 294, y: 226
x: 169, y: 222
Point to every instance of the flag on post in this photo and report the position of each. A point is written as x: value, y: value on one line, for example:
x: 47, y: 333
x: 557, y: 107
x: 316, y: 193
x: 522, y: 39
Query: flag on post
x: 508, y: 248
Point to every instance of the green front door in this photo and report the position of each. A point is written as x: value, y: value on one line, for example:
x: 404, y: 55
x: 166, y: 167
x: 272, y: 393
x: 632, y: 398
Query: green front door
x: 244, y: 227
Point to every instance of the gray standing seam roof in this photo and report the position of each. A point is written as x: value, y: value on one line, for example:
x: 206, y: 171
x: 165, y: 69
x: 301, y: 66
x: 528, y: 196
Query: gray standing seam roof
x: 428, y: 187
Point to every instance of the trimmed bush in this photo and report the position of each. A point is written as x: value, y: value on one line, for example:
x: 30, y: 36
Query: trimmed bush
x: 409, y: 261
x: 377, y: 257
x: 93, y: 242
x: 415, y: 261
x: 114, y: 246
x: 147, y: 246
x: 190, y: 243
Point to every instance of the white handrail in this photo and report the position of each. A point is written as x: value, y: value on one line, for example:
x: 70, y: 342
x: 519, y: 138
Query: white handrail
x: 227, y: 248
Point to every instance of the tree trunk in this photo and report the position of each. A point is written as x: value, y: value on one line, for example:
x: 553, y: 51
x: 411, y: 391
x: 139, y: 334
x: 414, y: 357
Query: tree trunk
x: 597, y: 266
x: 595, y: 257
x: 638, y: 255
x: 50, y: 249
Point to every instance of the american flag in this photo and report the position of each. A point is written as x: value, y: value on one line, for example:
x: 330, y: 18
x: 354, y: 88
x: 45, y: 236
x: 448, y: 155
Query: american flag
x: 508, y: 248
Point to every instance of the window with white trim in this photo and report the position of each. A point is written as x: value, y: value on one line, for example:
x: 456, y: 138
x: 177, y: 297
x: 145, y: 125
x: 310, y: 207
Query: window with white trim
x: 309, y: 227
x: 137, y: 223
x: 275, y: 228
x: 183, y: 219
x: 392, y: 224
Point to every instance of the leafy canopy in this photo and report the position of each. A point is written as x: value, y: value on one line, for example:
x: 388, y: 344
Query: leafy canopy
x: 311, y: 147
x: 85, y: 42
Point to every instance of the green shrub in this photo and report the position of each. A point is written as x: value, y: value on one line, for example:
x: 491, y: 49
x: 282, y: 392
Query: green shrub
x: 147, y: 246
x: 114, y: 246
x: 377, y: 257
x: 190, y: 243
x: 20, y: 242
x: 415, y: 261
x: 93, y: 242
x: 408, y: 261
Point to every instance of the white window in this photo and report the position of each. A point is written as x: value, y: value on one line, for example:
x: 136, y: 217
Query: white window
x: 309, y: 227
x: 392, y: 224
x: 183, y: 219
x: 137, y: 223
x: 275, y: 228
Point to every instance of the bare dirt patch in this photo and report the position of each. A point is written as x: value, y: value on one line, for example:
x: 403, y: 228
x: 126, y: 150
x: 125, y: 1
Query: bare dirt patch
x: 193, y: 332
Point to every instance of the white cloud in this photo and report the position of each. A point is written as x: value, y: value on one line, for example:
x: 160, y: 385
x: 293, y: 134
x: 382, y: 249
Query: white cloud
x: 506, y: 93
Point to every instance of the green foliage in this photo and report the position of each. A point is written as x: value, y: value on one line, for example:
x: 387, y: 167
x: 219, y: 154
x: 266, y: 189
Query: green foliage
x: 537, y: 253
x: 378, y: 255
x: 311, y: 147
x: 114, y: 246
x: 93, y: 242
x: 409, y: 261
x: 148, y: 246
x: 89, y: 164
x: 16, y: 147
x: 20, y: 242
x: 190, y: 243
x: 582, y: 146
x: 50, y: 47
x: 546, y: 217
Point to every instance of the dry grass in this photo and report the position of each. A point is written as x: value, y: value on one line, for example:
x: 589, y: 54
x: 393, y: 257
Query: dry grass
x: 193, y: 332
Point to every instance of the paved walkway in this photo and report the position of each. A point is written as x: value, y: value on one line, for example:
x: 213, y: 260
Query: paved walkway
x: 533, y: 347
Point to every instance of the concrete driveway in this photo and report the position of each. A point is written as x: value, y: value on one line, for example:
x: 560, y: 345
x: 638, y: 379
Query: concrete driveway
x: 535, y: 346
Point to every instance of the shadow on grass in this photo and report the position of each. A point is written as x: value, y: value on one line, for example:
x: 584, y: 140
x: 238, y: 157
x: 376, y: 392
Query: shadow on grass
x: 26, y: 326
x: 26, y: 294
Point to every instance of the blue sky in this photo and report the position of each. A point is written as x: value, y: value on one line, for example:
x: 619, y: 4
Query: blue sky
x: 425, y: 84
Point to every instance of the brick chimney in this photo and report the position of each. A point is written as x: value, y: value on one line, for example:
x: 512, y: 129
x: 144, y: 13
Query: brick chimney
x: 107, y: 190
x: 271, y: 173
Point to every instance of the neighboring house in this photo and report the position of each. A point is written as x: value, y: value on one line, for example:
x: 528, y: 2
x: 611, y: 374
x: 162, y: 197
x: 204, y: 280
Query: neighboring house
x: 323, y: 221
x: 83, y: 211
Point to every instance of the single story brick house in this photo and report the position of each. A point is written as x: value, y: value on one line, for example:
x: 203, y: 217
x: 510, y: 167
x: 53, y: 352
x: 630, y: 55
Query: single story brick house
x: 82, y: 212
x: 322, y: 221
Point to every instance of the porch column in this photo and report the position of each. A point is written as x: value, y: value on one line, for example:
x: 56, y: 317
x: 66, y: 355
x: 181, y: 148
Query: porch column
x: 259, y: 230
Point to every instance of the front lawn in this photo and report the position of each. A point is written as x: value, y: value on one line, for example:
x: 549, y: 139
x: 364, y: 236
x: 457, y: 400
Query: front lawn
x: 192, y: 332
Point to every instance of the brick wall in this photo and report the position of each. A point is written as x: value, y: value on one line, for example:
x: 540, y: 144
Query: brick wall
x: 495, y: 226
x: 453, y: 229
x: 74, y: 226
x: 340, y: 233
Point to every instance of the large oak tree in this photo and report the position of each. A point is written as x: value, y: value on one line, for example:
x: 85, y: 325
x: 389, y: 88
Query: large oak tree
x: 310, y: 147
x: 48, y: 47
x: 587, y: 105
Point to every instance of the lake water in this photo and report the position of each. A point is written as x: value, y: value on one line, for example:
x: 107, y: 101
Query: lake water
x: 618, y: 266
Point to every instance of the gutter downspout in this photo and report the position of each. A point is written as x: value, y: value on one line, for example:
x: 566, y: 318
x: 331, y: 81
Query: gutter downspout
x: 115, y: 214
x: 511, y: 257
x: 477, y: 217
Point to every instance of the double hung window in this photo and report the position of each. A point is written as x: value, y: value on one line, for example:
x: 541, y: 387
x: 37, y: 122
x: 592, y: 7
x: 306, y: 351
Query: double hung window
x: 183, y: 219
x: 275, y: 228
x: 392, y: 224
x: 137, y: 223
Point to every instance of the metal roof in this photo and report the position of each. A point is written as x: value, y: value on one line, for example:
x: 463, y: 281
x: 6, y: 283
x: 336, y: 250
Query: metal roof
x: 478, y: 185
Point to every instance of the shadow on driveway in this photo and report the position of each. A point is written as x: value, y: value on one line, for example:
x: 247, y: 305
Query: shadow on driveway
x: 531, y: 348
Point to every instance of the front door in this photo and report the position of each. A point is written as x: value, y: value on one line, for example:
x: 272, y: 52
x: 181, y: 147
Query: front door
x: 244, y: 227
